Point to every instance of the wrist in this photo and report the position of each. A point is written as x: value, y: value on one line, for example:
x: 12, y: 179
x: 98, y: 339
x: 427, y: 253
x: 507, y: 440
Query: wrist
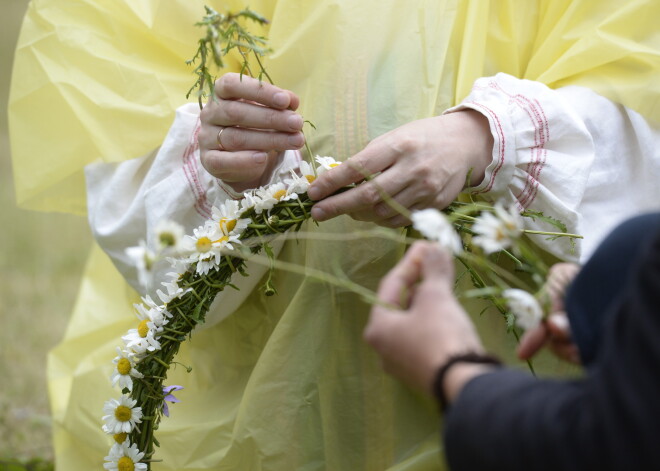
x: 459, y: 370
x: 477, y: 134
x: 461, y: 374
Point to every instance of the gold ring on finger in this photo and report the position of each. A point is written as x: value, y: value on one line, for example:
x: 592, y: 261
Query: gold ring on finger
x: 219, y: 138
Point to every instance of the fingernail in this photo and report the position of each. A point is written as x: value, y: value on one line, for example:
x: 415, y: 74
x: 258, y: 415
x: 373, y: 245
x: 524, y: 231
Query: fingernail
x: 296, y: 140
x: 314, y: 193
x: 281, y: 99
x: 260, y: 157
x: 318, y: 214
x: 560, y: 321
x: 295, y: 121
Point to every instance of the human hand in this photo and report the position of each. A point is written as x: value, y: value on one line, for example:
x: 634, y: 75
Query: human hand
x: 419, y: 165
x: 555, y: 330
x: 244, y: 126
x: 428, y: 325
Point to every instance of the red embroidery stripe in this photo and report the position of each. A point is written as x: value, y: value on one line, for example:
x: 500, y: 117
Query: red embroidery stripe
x: 501, y: 143
x: 535, y: 112
x: 190, y: 158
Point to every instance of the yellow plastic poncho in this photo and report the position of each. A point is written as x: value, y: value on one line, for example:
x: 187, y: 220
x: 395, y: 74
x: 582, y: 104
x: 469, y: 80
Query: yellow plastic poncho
x: 286, y: 382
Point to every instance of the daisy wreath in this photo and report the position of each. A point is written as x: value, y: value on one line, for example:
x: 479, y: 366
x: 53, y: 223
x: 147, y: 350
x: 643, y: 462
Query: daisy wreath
x: 478, y: 233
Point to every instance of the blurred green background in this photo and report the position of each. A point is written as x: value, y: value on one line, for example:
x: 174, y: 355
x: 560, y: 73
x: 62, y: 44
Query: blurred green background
x: 41, y: 261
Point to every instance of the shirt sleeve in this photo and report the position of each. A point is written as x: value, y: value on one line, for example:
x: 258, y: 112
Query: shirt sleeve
x: 565, y: 152
x: 606, y: 420
x: 126, y: 201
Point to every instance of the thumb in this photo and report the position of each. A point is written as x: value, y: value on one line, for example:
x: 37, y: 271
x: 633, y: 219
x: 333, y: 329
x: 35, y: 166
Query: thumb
x: 437, y: 264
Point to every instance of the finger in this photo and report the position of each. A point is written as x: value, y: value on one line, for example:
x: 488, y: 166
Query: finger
x: 395, y: 222
x: 368, y: 162
x: 234, y: 86
x: 567, y: 352
x: 379, y: 328
x: 235, y: 139
x: 559, y: 277
x: 400, y: 220
x: 559, y: 327
x: 396, y: 285
x: 437, y: 271
x: 401, y: 204
x: 362, y: 199
x: 235, y: 166
x: 250, y: 115
x: 437, y: 263
x: 532, y: 341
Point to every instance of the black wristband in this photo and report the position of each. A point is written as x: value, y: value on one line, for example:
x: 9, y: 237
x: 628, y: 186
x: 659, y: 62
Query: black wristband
x: 470, y: 357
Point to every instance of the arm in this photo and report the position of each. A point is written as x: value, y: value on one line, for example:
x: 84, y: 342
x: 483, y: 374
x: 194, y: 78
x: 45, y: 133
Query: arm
x: 554, y: 151
x: 608, y: 420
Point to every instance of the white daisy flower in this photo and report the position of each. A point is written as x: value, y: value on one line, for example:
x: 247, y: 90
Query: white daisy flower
x: 228, y: 218
x: 169, y: 235
x: 307, y: 171
x: 326, y: 163
x: 297, y: 184
x: 144, y: 260
x: 172, y: 291
x: 497, y: 231
x: 202, y: 247
x: 124, y: 370
x: 125, y: 458
x: 142, y: 339
x: 155, y: 315
x: 525, y: 308
x: 206, y: 246
x: 249, y: 201
x: 271, y: 195
x: 434, y: 225
x: 178, y: 264
x: 118, y: 439
x: 121, y: 415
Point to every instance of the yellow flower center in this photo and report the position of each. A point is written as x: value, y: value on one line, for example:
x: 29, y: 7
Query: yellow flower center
x: 124, y: 366
x: 279, y: 194
x: 167, y: 239
x: 125, y: 464
x: 123, y: 413
x: 120, y: 437
x: 227, y: 225
x: 333, y: 165
x: 310, y: 178
x: 148, y: 262
x: 143, y: 329
x: 203, y: 244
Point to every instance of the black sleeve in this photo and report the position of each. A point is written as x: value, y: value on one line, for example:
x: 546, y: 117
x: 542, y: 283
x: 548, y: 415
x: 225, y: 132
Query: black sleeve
x: 508, y: 420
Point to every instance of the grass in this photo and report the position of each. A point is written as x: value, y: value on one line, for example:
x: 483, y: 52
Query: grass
x: 41, y: 261
x: 31, y: 465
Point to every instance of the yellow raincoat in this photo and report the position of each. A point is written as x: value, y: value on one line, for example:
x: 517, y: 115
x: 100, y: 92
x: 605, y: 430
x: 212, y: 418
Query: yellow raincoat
x: 286, y: 382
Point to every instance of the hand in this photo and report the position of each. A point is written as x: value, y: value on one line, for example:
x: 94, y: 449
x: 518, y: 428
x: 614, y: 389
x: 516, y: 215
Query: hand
x: 426, y: 327
x: 257, y: 120
x: 419, y: 165
x: 555, y: 331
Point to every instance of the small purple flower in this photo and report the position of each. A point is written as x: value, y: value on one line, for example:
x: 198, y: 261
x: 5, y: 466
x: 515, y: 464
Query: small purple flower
x: 167, y: 391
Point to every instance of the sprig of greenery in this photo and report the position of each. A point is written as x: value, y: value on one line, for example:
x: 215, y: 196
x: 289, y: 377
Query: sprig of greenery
x: 225, y: 32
